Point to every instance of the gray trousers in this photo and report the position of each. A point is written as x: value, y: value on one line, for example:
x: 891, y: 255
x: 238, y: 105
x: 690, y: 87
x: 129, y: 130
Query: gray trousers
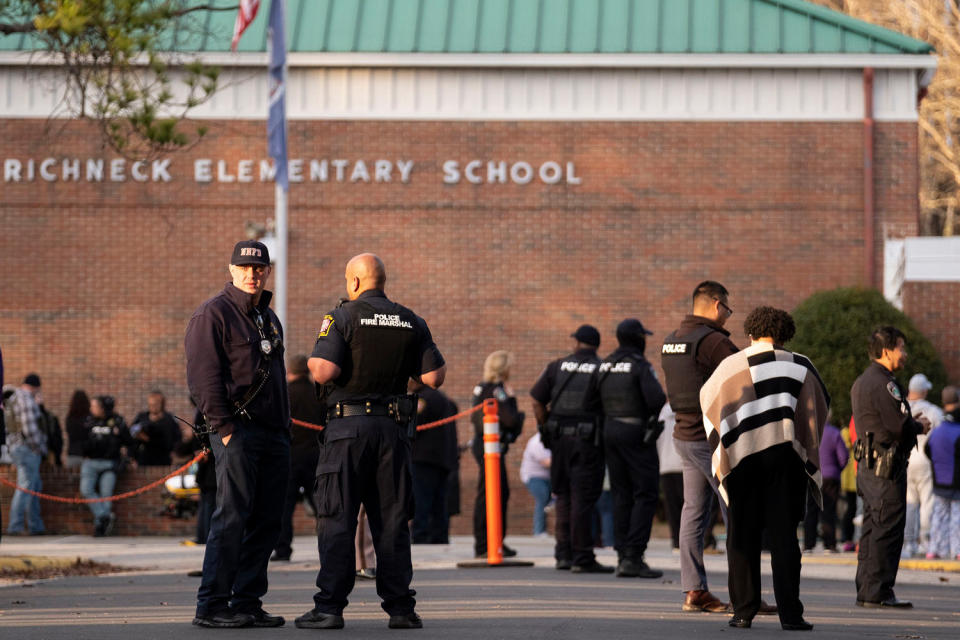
x: 699, y: 492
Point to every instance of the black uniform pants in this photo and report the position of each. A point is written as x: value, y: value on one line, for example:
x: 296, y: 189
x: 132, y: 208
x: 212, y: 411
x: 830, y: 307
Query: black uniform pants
x: 634, y: 482
x: 303, y: 474
x: 576, y: 477
x: 252, y: 472
x: 480, y: 505
x: 767, y: 490
x: 881, y: 534
x: 672, y: 485
x: 431, y: 524
x: 827, y: 517
x: 364, y: 460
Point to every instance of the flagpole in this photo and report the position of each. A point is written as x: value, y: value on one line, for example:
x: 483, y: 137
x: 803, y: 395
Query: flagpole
x: 277, y: 145
x: 280, y: 284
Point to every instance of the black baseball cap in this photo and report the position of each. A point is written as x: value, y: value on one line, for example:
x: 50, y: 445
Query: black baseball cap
x: 250, y: 252
x: 630, y: 329
x: 587, y: 334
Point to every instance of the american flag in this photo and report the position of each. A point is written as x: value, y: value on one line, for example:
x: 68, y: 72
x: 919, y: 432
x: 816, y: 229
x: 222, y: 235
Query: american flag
x: 246, y: 14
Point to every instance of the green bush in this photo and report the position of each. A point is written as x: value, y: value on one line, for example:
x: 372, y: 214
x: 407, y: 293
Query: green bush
x: 833, y: 329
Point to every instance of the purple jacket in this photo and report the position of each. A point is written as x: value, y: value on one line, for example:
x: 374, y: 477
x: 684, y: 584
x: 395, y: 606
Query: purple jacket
x: 833, y: 452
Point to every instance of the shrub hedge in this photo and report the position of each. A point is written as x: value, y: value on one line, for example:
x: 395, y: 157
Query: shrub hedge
x: 833, y: 328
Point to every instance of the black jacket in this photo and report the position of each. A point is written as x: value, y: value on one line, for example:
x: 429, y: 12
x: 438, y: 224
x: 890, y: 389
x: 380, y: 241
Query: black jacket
x: 511, y: 419
x: 438, y: 445
x: 106, y: 437
x: 223, y: 353
x: 880, y: 407
x: 304, y: 406
x: 161, y: 441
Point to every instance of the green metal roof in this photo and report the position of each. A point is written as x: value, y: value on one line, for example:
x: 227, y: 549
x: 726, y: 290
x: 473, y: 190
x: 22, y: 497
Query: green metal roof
x: 544, y: 26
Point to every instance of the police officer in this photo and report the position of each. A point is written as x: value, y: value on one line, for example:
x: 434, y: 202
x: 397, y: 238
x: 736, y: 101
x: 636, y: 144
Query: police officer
x: 236, y: 375
x: 367, y: 350
x: 304, y: 449
x: 688, y: 357
x: 496, y: 384
x: 886, y: 432
x: 103, y: 450
x: 569, y: 422
x: 631, y: 399
x: 433, y: 458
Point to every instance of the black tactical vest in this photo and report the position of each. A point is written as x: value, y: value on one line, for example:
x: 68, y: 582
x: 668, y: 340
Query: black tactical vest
x: 103, y: 440
x: 382, y: 353
x: 571, y: 386
x: 678, y: 357
x: 619, y: 392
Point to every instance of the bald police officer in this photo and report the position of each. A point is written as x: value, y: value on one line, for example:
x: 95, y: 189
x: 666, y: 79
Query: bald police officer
x: 366, y: 352
x: 632, y: 398
x: 569, y: 425
x: 886, y: 432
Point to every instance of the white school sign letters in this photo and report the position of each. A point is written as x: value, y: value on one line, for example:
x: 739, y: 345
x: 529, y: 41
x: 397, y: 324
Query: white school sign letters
x: 302, y: 170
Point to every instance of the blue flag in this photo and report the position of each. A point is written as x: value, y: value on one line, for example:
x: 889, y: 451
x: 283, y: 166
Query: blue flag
x: 277, y: 118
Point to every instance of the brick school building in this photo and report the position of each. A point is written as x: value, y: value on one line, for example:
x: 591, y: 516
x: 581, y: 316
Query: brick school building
x: 520, y: 171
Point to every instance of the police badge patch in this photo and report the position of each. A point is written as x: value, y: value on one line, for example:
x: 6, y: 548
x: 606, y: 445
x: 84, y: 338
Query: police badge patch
x: 894, y: 391
x: 325, y: 326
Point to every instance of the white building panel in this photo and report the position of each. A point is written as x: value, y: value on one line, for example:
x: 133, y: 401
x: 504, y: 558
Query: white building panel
x: 932, y: 259
x: 767, y: 92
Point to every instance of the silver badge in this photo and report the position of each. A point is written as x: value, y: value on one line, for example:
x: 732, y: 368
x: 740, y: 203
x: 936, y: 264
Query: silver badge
x: 266, y: 347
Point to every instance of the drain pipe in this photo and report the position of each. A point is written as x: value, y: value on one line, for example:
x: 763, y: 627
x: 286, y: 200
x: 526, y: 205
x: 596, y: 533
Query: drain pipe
x: 869, y: 214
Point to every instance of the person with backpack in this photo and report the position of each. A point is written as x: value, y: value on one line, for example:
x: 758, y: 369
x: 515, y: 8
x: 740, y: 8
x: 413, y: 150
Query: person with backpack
x: 49, y: 422
x: 27, y: 444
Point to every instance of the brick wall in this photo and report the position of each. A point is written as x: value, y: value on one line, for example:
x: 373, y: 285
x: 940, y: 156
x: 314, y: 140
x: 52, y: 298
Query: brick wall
x: 101, y: 278
x: 935, y: 308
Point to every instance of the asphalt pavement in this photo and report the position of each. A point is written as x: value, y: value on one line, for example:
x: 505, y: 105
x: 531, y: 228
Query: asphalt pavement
x: 155, y: 599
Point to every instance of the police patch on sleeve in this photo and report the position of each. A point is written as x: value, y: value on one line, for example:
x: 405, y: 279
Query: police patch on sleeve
x: 325, y: 326
x: 894, y: 391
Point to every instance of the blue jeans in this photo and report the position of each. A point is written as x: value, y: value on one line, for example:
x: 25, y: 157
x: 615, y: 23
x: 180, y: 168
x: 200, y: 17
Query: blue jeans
x: 28, y: 477
x: 539, y: 488
x: 604, y: 510
x: 98, y: 478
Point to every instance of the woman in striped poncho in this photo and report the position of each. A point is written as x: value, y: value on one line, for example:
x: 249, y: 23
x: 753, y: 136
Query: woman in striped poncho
x: 764, y: 409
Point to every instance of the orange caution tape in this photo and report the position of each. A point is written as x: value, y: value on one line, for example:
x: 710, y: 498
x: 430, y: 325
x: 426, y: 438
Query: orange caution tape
x: 422, y: 427
x: 119, y: 496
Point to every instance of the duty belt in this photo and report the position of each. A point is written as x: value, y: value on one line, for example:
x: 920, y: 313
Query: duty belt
x: 358, y: 408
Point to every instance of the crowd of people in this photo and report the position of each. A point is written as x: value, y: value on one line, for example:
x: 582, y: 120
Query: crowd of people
x: 94, y: 438
x: 743, y: 434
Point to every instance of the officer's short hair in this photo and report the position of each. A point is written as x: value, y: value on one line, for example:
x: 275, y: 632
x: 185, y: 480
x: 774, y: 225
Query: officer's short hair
x: 710, y: 289
x: 884, y: 338
x: 770, y: 322
x: 163, y: 398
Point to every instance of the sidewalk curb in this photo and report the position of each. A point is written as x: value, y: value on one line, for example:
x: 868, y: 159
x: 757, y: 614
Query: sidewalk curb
x: 949, y: 566
x: 26, y: 563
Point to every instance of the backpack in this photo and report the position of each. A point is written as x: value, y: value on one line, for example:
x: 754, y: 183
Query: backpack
x: 12, y: 424
x: 50, y: 425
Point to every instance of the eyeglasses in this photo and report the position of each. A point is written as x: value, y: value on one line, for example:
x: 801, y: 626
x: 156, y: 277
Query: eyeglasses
x: 724, y: 305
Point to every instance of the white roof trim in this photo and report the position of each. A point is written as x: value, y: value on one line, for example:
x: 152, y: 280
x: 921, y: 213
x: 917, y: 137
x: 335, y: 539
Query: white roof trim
x: 542, y: 60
